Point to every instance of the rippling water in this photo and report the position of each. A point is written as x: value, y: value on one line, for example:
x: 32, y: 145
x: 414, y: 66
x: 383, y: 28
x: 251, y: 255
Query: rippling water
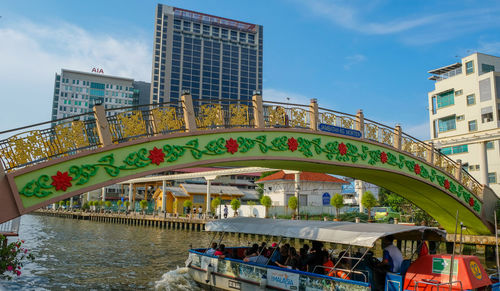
x: 83, y: 255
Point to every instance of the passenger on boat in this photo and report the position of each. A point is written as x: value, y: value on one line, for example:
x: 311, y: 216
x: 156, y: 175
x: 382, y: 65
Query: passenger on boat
x: 275, y: 255
x: 259, y: 259
x: 302, y: 259
x: 314, y: 258
x: 284, y: 254
x: 392, y: 255
x: 292, y: 261
x: 327, y: 262
x: 221, y: 251
x: 342, y: 264
x: 211, y: 251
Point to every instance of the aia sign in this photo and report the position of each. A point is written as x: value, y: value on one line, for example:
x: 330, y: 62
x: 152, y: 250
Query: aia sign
x: 97, y: 70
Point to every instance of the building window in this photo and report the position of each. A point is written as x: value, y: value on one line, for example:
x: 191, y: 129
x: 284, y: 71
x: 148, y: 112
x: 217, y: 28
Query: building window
x: 472, y: 125
x: 460, y: 117
x: 490, y: 145
x: 455, y: 150
x: 458, y: 93
x: 492, y: 178
x: 445, y: 99
x: 469, y: 67
x: 447, y: 123
x: 471, y: 99
x: 487, y: 68
x: 486, y: 114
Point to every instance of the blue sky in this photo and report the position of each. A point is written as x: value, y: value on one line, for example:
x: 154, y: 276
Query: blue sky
x: 350, y: 55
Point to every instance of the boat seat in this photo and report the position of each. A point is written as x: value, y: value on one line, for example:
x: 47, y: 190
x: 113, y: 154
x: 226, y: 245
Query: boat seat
x: 395, y: 281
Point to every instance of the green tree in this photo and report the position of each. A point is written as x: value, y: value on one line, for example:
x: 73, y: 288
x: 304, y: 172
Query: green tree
x: 61, y: 204
x: 85, y: 206
x: 187, y: 204
x: 108, y: 204
x: 337, y: 201
x: 235, y: 205
x: 119, y: 203
x: 267, y: 202
x: 215, y: 203
x: 393, y: 200
x: 293, y: 203
x: 68, y: 203
x: 127, y: 204
x: 143, y: 204
x: 368, y: 201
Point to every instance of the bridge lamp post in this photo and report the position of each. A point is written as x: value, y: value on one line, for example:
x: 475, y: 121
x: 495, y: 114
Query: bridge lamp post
x: 220, y: 205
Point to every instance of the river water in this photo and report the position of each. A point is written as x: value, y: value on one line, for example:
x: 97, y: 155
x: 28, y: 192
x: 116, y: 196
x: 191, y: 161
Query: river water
x: 84, y: 255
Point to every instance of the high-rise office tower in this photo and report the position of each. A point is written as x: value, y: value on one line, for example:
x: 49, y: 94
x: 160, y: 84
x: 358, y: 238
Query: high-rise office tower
x: 214, y: 57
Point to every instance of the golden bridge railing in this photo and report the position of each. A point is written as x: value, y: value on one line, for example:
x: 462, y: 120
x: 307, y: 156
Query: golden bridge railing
x: 337, y: 118
x: 278, y: 114
x: 33, y: 144
x: 223, y: 113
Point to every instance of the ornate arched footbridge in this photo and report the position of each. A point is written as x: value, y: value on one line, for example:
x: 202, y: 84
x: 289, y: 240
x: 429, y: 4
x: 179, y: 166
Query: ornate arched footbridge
x: 59, y: 159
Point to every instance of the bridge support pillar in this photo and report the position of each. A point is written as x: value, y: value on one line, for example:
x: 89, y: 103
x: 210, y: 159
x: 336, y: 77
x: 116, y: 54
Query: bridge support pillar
x: 102, y: 125
x: 188, y: 110
x: 258, y: 110
x: 430, y: 153
x: 397, y: 136
x: 360, y: 122
x: 313, y: 114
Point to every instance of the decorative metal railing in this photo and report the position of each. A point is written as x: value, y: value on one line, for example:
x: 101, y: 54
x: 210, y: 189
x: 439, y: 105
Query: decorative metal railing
x: 34, y: 144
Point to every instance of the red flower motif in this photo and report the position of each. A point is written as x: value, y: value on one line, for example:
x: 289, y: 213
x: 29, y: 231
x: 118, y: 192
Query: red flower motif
x: 417, y: 169
x: 231, y: 145
x: 156, y: 156
x: 292, y: 144
x: 471, y: 201
x: 342, y: 149
x: 446, y: 184
x: 383, y: 157
x: 61, y: 181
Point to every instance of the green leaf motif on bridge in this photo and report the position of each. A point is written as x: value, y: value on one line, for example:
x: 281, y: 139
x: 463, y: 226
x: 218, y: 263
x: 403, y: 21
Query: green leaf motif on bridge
x: 332, y: 150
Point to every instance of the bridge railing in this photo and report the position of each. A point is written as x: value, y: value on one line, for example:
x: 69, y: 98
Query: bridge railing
x: 279, y: 114
x: 36, y: 143
x: 74, y: 134
x: 339, y: 119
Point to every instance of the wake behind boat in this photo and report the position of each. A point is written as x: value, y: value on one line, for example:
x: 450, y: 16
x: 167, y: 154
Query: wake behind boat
x: 429, y: 272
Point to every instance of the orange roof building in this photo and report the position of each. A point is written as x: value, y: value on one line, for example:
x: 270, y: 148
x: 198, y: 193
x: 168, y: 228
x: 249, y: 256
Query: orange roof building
x: 315, y: 189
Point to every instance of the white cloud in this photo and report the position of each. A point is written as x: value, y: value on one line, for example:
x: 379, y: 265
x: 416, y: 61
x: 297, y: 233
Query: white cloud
x: 31, y: 53
x: 355, y: 15
x: 353, y: 60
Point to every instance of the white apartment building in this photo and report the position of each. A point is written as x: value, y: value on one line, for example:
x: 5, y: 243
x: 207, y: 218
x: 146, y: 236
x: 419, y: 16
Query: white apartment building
x: 76, y: 92
x: 464, y: 115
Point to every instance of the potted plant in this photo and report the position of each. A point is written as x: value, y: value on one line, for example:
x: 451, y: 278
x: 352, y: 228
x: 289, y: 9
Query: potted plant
x: 127, y: 205
x: 235, y: 205
x: 61, y: 205
x: 337, y: 201
x: 292, y: 204
x: 144, y: 205
x: 214, y: 204
x: 267, y: 202
x: 68, y: 204
x: 85, y: 206
x: 369, y: 202
x: 108, y: 205
x: 119, y: 204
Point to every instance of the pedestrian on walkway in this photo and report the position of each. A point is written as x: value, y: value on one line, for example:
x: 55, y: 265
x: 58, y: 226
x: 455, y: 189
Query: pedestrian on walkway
x: 200, y: 212
x: 225, y: 211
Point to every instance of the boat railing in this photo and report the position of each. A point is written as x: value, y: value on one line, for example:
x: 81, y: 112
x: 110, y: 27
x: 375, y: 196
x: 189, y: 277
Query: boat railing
x: 347, y: 271
x: 436, y: 283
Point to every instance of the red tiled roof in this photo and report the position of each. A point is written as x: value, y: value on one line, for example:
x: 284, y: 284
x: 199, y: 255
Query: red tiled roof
x: 304, y: 176
x: 208, y: 169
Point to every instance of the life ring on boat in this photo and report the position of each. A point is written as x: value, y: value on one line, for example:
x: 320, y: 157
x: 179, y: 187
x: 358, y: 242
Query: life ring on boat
x: 339, y: 274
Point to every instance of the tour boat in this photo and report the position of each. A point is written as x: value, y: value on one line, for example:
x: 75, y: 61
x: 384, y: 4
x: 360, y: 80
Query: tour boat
x: 427, y: 272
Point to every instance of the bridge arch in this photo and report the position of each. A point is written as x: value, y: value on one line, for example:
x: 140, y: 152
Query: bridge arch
x: 440, y: 191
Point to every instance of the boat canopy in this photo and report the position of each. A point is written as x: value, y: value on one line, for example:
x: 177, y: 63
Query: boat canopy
x: 349, y: 233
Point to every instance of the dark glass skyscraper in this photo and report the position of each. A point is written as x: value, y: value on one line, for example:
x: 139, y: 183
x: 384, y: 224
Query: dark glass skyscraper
x: 215, y: 58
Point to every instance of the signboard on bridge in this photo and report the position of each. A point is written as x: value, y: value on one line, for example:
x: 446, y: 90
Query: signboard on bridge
x: 339, y: 130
